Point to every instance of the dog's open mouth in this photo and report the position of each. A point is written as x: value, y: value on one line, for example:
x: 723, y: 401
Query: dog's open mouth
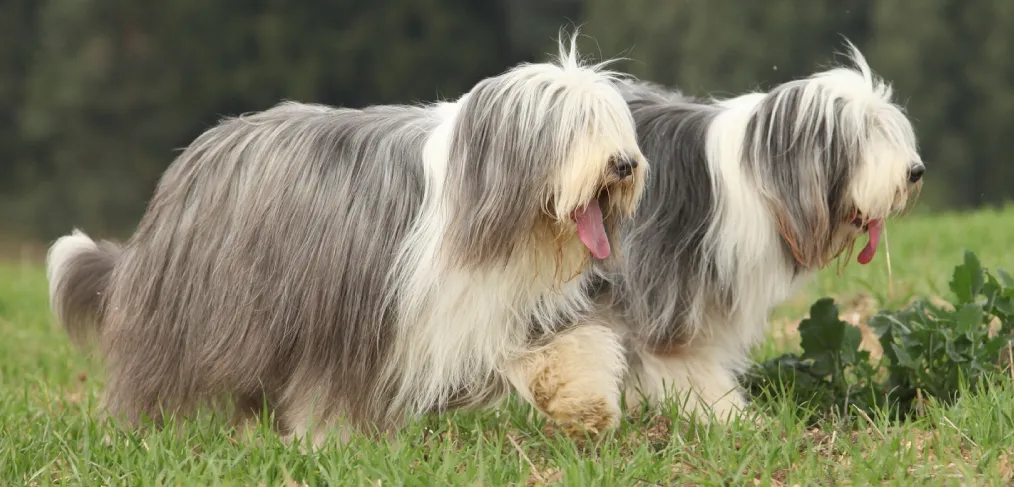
x: 591, y: 228
x: 873, y: 227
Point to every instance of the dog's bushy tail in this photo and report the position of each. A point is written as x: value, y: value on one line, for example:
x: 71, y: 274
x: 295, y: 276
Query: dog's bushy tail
x: 79, y: 270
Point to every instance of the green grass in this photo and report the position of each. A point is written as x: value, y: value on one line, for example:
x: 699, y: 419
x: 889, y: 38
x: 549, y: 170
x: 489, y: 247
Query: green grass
x: 49, y: 392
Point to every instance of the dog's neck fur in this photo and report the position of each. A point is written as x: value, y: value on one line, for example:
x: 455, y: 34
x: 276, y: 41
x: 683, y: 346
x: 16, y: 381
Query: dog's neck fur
x: 704, y: 256
x: 540, y: 288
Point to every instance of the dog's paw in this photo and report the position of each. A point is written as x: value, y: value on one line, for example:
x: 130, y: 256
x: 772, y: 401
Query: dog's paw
x: 575, y: 380
x: 578, y: 407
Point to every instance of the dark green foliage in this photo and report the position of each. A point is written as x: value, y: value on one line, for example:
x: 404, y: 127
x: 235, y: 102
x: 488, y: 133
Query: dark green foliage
x: 830, y: 375
x: 929, y: 350
x: 96, y: 96
x: 948, y: 60
x: 115, y: 88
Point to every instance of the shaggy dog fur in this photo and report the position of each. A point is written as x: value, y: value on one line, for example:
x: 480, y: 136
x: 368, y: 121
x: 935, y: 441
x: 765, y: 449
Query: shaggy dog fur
x: 748, y: 197
x: 354, y: 268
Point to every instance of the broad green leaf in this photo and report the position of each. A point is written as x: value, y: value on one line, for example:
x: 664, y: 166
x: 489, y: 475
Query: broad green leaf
x: 968, y: 278
x: 1003, y: 304
x: 822, y: 331
x: 952, y: 353
x: 968, y: 318
x: 904, y: 360
x: 992, y: 290
x: 822, y: 336
x: 851, y: 339
x: 862, y: 355
x: 883, y: 323
x: 1005, y: 278
x: 917, y: 349
x: 883, y: 326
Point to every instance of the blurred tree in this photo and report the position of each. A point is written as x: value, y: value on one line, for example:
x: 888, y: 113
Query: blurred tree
x: 724, y: 47
x: 17, y: 43
x: 533, y: 26
x: 116, y: 86
x: 95, y: 95
x: 951, y: 60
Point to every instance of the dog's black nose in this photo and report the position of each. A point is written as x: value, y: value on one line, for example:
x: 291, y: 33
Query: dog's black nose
x: 624, y: 166
x: 915, y: 174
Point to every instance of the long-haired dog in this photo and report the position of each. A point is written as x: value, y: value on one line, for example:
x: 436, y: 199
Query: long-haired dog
x: 354, y: 268
x: 748, y: 197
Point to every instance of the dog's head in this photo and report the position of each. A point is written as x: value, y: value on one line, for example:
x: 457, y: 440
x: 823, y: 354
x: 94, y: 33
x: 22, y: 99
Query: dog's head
x: 834, y: 157
x: 544, y: 156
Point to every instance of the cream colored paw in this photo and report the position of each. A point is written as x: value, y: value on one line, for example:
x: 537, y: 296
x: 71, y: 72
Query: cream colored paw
x: 575, y: 408
x: 575, y: 380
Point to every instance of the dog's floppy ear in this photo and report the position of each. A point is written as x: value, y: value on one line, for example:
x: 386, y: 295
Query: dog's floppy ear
x: 802, y: 153
x: 496, y: 171
x: 804, y: 222
x: 807, y: 192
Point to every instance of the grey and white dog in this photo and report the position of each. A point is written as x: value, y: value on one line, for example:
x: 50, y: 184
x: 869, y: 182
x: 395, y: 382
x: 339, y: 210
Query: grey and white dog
x: 354, y: 268
x: 747, y: 198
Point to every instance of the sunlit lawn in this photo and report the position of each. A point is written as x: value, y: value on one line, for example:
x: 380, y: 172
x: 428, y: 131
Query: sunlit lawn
x: 49, y: 392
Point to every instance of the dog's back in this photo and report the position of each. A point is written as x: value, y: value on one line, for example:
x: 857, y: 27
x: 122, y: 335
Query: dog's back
x: 231, y: 284
x: 668, y: 235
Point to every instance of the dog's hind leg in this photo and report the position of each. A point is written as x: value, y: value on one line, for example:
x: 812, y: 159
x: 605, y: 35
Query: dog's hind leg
x: 575, y: 378
x: 308, y: 415
x: 248, y: 412
x: 144, y: 388
x: 130, y: 403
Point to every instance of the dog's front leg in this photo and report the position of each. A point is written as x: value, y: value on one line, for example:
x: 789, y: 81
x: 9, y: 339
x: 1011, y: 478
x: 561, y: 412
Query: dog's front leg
x: 575, y: 378
x: 694, y: 377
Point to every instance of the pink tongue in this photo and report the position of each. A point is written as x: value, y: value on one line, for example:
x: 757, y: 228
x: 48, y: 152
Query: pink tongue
x: 873, y: 228
x: 591, y: 230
